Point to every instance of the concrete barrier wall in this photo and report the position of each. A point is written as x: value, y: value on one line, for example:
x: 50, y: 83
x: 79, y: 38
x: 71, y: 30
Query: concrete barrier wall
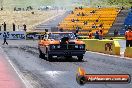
x: 13, y: 35
x: 33, y: 35
x: 128, y: 52
x: 102, y: 46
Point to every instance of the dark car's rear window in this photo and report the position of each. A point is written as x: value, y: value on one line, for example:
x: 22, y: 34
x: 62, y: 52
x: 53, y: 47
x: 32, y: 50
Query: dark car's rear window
x: 58, y: 36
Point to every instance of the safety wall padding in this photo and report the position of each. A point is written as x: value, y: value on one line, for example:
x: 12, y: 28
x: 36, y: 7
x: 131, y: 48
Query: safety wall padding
x: 103, y: 46
x: 128, y: 52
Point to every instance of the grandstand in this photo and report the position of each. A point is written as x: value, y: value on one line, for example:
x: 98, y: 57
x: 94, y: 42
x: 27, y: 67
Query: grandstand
x: 127, y: 23
x: 90, y: 19
x: 128, y: 20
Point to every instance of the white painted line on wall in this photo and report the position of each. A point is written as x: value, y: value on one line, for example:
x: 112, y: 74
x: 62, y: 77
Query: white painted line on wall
x: 111, y: 55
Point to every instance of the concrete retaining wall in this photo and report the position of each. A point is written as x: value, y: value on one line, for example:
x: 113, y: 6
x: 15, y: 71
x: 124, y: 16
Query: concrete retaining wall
x: 128, y: 52
x: 103, y: 46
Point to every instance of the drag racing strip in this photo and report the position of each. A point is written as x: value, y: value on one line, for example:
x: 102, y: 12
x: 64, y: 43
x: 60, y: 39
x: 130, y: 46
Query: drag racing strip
x: 26, y: 83
x: 109, y: 63
x: 61, y: 72
x: 36, y: 70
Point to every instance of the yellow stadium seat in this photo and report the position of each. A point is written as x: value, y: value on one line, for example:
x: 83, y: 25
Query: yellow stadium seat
x: 105, y: 16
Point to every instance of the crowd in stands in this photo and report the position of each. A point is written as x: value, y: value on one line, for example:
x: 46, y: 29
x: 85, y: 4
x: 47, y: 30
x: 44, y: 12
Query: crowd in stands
x: 127, y: 22
x: 94, y: 19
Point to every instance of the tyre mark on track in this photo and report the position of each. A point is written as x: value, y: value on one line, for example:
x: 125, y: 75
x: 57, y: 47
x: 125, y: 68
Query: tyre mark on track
x: 31, y: 75
x: 65, y: 66
x: 34, y: 51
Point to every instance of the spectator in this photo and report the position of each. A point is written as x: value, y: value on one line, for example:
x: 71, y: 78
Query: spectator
x: 23, y: 9
x: 72, y: 12
x: 14, y: 27
x: 97, y: 35
x: 101, y: 25
x: 94, y: 26
x: 1, y: 8
x: 5, y: 37
x: 15, y: 9
x: 30, y: 7
x: 0, y: 28
x: 72, y: 20
x: 97, y: 20
x: 46, y: 30
x: 115, y: 33
x: 77, y: 29
x: 90, y: 35
x: 128, y: 36
x: 78, y: 14
x: 39, y: 37
x: 83, y: 14
x: 76, y: 8
x: 19, y: 9
x: 99, y: 7
x: 131, y: 8
x: 111, y: 38
x: 25, y: 27
x: 77, y: 20
x: 101, y: 34
x: 4, y: 25
x: 81, y: 7
x: 18, y: 27
x: 122, y: 8
x: 93, y: 11
x: 85, y: 22
x: 32, y: 12
x: 76, y: 33
x: 61, y: 29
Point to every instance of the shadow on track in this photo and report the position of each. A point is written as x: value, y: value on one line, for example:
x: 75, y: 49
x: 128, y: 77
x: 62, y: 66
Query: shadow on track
x: 64, y: 59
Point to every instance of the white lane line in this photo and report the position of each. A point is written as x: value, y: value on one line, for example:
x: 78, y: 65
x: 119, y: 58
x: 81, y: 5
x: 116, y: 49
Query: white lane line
x: 26, y: 83
x: 111, y: 55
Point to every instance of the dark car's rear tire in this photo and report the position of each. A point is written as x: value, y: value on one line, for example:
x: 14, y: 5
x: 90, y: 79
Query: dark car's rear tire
x: 80, y: 58
x: 41, y: 55
x: 49, y: 57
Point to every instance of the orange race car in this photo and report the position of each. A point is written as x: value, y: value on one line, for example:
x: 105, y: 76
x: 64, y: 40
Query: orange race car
x: 61, y: 44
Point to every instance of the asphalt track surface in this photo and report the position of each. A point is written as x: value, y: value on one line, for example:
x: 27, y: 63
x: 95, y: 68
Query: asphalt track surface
x: 8, y: 77
x: 61, y: 73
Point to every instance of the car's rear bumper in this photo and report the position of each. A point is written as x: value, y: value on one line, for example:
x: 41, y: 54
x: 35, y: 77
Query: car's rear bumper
x: 67, y: 52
